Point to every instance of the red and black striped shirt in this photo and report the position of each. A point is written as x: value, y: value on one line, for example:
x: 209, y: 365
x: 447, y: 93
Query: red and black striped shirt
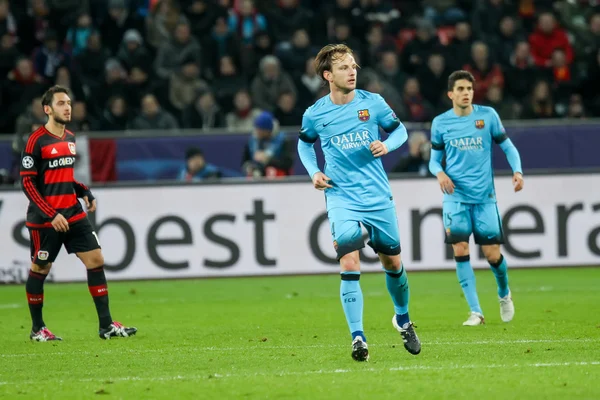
x: 48, y: 181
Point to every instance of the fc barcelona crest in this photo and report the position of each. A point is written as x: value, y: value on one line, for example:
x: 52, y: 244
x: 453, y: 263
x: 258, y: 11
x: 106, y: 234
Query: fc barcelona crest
x: 363, y: 115
x: 479, y: 124
x: 72, y: 148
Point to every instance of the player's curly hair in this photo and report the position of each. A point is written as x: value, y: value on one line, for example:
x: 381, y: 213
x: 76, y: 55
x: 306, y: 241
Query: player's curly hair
x: 328, y: 55
x: 457, y: 76
x: 49, y: 95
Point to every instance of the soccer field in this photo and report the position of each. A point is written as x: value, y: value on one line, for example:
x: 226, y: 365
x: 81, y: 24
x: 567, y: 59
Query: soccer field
x: 286, y: 338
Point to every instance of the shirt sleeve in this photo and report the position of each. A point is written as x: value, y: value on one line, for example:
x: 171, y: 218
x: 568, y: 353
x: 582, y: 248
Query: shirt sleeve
x: 308, y: 133
x: 30, y: 164
x: 437, y: 149
x: 308, y: 136
x: 497, y: 129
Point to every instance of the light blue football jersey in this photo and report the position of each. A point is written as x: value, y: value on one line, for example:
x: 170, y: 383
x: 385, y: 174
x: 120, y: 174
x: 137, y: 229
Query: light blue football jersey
x: 467, y: 143
x: 346, y: 131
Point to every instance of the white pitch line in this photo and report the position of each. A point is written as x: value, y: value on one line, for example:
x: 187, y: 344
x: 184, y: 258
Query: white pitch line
x: 101, y: 351
x: 206, y: 376
x: 13, y: 305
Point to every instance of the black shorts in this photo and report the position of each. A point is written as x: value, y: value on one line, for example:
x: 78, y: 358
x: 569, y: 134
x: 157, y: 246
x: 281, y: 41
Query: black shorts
x: 45, y: 243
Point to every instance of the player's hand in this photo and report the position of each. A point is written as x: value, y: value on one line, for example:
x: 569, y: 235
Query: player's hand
x: 320, y: 181
x: 90, y: 207
x: 518, y: 181
x: 446, y: 183
x: 378, y: 148
x: 60, y: 224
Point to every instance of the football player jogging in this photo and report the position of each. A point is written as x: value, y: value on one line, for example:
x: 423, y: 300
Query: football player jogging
x: 465, y: 135
x: 357, y: 190
x: 55, y: 216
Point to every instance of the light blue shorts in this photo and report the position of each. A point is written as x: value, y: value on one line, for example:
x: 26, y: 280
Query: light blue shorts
x: 463, y: 219
x: 381, y: 226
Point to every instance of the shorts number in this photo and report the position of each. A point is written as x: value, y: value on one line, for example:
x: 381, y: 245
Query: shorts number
x: 96, y: 236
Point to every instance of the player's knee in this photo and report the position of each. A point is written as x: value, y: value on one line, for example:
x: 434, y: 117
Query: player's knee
x: 461, y: 249
x: 41, y: 269
x: 92, y: 259
x: 350, y: 262
x: 391, y: 263
x: 492, y: 253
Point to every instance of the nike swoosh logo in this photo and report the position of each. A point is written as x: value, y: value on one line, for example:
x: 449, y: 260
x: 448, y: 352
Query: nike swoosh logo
x: 324, y: 125
x: 343, y: 294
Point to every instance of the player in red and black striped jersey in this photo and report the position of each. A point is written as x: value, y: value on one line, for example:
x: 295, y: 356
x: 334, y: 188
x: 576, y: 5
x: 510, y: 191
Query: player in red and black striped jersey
x: 55, y: 216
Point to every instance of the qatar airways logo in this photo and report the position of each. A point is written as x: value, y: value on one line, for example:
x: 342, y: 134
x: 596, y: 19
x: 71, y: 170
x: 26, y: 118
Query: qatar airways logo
x: 61, y: 162
x: 352, y: 140
x: 467, y: 144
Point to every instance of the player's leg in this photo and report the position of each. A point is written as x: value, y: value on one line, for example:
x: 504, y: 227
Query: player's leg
x: 347, y: 240
x: 488, y: 233
x: 45, y: 245
x: 458, y: 226
x: 384, y: 236
x: 83, y: 241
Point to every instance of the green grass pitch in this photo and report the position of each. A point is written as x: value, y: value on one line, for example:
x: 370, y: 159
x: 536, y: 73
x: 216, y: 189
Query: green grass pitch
x: 286, y: 338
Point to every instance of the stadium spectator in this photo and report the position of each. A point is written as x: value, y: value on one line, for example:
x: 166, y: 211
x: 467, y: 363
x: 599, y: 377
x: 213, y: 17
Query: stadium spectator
x: 389, y: 69
x: 204, y: 113
x: 268, y: 152
x: 270, y: 83
x: 172, y: 53
x: 34, y: 114
x: 152, y: 116
x: 116, y: 24
x: 443, y: 12
x: 132, y: 52
x: 89, y: 64
x: 115, y: 116
x: 547, y: 37
x: 417, y: 51
x: 459, y: 51
x: 241, y: 119
x: 185, y: 84
x: 417, y: 108
x: 486, y: 73
x: 290, y: 17
x: 77, y: 36
x: 541, y: 104
x: 417, y: 159
x: 505, y: 107
x: 521, y: 74
x: 433, y: 80
x: 196, y: 168
x: 245, y: 21
x: 293, y: 54
x: 48, y: 57
x: 287, y: 111
x: 492, y: 18
x: 504, y: 43
x: 227, y: 83
x: 308, y: 84
x: 220, y: 43
x: 9, y: 54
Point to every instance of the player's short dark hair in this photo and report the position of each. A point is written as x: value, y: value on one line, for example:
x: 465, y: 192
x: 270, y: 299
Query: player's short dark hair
x: 328, y: 54
x: 49, y: 95
x: 457, y: 76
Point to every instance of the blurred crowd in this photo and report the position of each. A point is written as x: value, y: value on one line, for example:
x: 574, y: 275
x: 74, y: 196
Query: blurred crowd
x: 204, y: 64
